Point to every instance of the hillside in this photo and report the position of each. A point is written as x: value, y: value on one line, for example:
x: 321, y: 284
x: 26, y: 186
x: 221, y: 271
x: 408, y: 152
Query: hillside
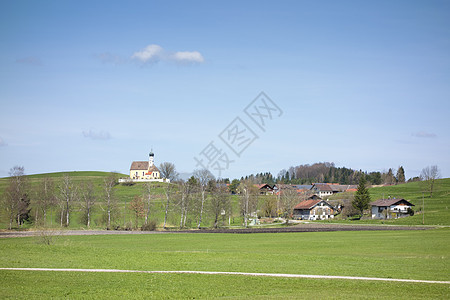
x: 436, y: 208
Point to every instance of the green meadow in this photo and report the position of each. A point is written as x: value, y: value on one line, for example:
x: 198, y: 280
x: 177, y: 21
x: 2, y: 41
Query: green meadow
x: 420, y: 255
x: 436, y: 208
x: 432, y: 210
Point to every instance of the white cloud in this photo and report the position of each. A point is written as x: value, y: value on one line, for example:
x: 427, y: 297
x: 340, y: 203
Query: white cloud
x: 155, y: 53
x: 2, y: 143
x: 423, y: 134
x: 96, y: 135
x: 188, y: 57
x: 150, y: 53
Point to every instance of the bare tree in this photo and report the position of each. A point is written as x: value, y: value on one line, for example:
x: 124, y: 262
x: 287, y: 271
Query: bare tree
x: 67, y: 195
x: 203, y: 176
x: 187, y: 189
x: 108, y: 184
x: 15, y: 198
x: 270, y: 206
x: 219, y: 200
x: 429, y: 176
x: 45, y: 197
x: 168, y: 171
x: 137, y: 206
x: 289, y: 198
x: 249, y: 199
x: 88, y: 201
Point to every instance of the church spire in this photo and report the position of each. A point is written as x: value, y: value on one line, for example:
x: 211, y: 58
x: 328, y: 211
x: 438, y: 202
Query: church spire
x: 151, y: 159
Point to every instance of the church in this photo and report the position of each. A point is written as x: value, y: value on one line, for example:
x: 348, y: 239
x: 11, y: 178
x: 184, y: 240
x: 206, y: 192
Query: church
x: 145, y: 170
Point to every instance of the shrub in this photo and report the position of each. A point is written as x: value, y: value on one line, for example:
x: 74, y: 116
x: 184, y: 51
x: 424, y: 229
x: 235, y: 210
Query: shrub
x: 150, y: 226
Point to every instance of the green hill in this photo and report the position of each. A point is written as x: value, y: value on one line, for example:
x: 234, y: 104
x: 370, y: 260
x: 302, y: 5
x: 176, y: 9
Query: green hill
x: 436, y: 208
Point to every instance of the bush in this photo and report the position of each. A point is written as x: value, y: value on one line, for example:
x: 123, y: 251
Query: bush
x: 150, y: 226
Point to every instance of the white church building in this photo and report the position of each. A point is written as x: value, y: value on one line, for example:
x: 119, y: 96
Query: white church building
x: 145, y: 171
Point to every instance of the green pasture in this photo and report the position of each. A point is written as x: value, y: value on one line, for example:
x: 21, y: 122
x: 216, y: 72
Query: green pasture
x: 436, y: 208
x: 389, y: 254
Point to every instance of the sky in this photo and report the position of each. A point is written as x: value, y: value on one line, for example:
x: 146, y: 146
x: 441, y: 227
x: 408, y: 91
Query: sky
x: 95, y: 85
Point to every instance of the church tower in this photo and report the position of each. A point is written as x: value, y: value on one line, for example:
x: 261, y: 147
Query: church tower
x: 151, y: 159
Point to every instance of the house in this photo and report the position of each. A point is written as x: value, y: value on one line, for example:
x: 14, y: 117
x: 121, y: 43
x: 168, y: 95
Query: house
x: 322, y: 189
x: 328, y: 189
x: 313, y: 210
x: 265, y: 189
x: 391, y: 208
x: 145, y: 171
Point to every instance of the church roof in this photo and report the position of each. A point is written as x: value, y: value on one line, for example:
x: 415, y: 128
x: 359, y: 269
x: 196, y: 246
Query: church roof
x: 143, y: 165
x: 139, y: 165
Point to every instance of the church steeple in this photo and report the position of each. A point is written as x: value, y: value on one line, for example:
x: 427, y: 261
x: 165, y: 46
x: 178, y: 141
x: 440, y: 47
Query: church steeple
x: 151, y: 158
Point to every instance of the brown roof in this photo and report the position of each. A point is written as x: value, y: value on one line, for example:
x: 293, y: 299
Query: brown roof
x: 139, y: 165
x: 323, y: 187
x: 389, y: 202
x: 306, y: 204
x: 153, y: 169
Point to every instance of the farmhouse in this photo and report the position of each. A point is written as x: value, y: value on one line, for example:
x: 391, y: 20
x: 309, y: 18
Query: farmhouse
x: 313, y: 210
x: 145, y: 170
x: 265, y: 189
x: 328, y: 189
x: 391, y: 208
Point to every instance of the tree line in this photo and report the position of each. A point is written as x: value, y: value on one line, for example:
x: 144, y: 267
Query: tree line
x: 200, y: 197
x: 327, y: 172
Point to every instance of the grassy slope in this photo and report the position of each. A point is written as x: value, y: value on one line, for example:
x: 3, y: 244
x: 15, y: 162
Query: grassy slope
x: 397, y: 254
x: 436, y: 208
x: 123, y: 194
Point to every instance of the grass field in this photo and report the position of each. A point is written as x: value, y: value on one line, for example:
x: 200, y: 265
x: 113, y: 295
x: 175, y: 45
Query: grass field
x: 388, y: 254
x: 436, y: 208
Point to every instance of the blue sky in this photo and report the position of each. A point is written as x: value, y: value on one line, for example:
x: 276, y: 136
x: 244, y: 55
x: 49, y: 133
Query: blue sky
x: 94, y: 85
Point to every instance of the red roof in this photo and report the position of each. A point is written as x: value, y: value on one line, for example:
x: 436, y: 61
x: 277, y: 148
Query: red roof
x: 306, y: 204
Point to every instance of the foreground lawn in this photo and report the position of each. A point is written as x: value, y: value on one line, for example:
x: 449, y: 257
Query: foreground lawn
x: 38, y: 285
x: 389, y: 254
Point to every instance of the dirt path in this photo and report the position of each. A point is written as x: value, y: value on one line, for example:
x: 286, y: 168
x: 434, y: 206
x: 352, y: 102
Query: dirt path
x: 230, y: 273
x: 304, y: 227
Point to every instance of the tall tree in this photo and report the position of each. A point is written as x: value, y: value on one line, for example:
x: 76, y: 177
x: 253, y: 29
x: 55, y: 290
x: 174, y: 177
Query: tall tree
x: 203, y: 176
x: 234, y: 186
x: 219, y: 200
x: 138, y: 207
x: 187, y: 190
x: 429, y: 175
x: 288, y: 198
x: 88, y: 201
x: 67, y: 195
x: 249, y: 200
x: 401, y: 175
x: 389, y: 177
x: 16, y: 197
x: 45, y: 197
x: 169, y: 172
x: 108, y: 191
x: 362, y: 197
